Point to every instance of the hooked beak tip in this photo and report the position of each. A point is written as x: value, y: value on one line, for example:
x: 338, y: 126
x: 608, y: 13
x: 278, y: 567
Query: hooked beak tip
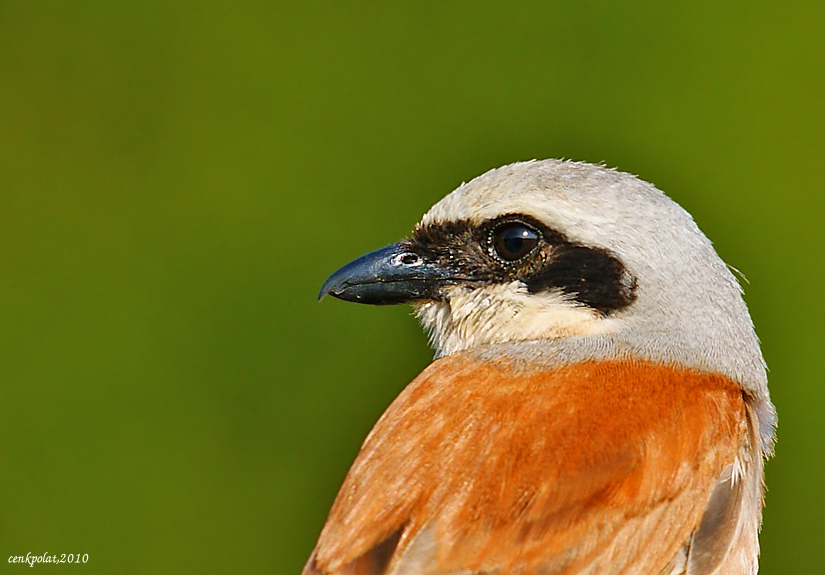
x: 328, y: 289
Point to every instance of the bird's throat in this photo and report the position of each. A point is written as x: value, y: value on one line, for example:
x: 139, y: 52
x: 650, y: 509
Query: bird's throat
x: 470, y: 317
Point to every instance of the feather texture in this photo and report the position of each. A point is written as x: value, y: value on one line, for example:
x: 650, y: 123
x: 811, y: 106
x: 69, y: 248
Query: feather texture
x: 598, y: 468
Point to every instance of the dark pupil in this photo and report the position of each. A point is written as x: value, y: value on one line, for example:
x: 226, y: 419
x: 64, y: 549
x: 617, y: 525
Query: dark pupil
x: 514, y: 241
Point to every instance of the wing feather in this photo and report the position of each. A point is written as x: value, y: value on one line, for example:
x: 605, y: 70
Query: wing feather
x: 597, y: 468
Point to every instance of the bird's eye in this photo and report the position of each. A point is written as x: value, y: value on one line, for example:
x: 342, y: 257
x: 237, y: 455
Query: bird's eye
x: 513, y: 241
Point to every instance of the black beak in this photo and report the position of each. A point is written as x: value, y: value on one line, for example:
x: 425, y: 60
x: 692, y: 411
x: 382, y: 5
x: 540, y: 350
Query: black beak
x: 393, y: 274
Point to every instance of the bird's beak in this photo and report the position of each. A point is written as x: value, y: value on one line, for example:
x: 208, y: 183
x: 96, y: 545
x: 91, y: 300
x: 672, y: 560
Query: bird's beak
x: 391, y: 275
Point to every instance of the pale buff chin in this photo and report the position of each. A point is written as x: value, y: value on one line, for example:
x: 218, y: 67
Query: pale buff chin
x: 499, y: 313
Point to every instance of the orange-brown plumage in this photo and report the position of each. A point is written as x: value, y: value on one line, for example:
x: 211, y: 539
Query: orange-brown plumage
x: 522, y: 472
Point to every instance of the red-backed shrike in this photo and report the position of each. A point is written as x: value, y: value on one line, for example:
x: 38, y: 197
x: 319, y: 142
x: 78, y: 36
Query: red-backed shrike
x: 598, y: 403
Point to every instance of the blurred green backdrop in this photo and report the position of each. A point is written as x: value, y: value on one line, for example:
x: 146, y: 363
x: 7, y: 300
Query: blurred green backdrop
x: 178, y: 179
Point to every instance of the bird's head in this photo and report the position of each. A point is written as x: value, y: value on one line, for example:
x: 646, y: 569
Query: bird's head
x: 559, y: 260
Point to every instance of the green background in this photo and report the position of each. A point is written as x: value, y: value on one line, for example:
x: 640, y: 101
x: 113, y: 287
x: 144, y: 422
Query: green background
x: 178, y: 179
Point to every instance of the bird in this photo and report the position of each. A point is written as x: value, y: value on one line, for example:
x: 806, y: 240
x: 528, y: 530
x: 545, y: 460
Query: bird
x: 598, y: 402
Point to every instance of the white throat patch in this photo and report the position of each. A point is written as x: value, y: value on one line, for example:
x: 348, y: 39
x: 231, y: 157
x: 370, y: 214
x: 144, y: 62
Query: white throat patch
x: 499, y: 313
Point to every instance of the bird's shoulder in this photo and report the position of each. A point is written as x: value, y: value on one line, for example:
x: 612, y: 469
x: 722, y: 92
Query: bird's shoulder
x: 486, y: 467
